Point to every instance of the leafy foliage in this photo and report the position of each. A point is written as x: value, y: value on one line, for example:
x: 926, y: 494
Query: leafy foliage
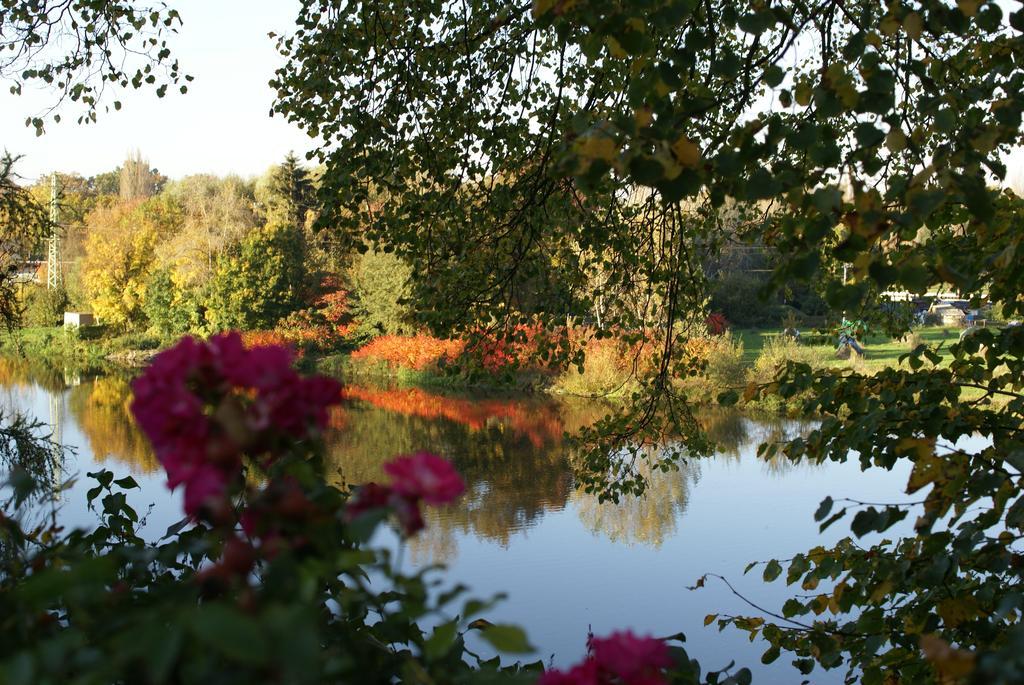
x: 170, y: 308
x: 23, y: 222
x: 286, y: 193
x: 44, y: 306
x: 82, y: 48
x: 120, y: 256
x: 261, y: 281
x: 633, y: 139
x: 381, y: 293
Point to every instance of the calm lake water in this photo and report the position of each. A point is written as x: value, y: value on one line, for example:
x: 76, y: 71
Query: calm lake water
x: 566, y: 562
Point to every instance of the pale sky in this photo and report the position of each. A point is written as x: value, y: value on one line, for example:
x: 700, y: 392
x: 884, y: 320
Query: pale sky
x: 222, y: 125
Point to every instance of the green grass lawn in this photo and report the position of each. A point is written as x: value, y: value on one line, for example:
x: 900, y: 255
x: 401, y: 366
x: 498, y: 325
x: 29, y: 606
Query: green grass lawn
x: 880, y: 351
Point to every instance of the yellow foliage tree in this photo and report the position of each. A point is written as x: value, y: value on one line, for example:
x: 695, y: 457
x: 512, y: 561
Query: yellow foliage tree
x: 120, y: 247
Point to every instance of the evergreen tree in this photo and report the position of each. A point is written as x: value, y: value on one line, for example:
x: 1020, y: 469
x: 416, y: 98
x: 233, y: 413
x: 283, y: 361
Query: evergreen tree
x: 287, y: 192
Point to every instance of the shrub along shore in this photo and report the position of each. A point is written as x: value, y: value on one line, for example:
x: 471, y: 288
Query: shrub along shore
x: 732, y: 360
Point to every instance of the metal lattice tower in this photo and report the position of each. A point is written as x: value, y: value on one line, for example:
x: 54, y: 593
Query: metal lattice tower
x: 53, y: 274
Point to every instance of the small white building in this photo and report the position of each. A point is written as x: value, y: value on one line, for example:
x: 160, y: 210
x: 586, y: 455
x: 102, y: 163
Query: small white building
x: 77, y: 319
x: 948, y: 312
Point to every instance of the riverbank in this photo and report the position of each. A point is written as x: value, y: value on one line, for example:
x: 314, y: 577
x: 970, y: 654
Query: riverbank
x: 730, y: 361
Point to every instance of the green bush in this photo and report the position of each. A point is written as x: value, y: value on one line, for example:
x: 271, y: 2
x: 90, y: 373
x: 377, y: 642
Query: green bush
x: 260, y: 282
x: 380, y: 289
x: 738, y: 296
x: 44, y: 307
x: 725, y: 367
x: 170, y: 309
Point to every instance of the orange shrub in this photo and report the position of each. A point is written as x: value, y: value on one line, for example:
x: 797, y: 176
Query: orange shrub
x: 415, y: 352
x: 264, y: 338
x: 517, y: 349
x: 323, y: 325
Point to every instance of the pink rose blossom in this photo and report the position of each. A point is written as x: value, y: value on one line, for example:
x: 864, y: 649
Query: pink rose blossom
x: 185, y: 404
x: 204, y: 486
x: 410, y: 518
x: 635, y: 660
x: 425, y: 476
x: 369, y: 497
x: 581, y: 674
x: 373, y: 496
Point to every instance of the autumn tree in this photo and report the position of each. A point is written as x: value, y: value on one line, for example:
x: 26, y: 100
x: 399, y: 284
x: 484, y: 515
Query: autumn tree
x: 137, y: 180
x: 217, y: 213
x: 120, y: 256
x: 24, y: 222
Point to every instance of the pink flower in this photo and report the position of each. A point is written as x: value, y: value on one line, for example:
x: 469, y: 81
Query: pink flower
x: 205, y: 486
x: 581, y: 674
x: 635, y: 660
x: 410, y: 518
x: 373, y: 496
x: 202, y: 405
x: 425, y: 476
x: 369, y: 497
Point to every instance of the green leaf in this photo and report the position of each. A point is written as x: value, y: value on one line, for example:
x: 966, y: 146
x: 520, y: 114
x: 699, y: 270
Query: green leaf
x: 773, y: 76
x: 126, y: 483
x: 507, y: 638
x: 232, y: 634
x: 441, y: 640
x: 772, y: 571
x: 864, y: 522
x: 823, y: 509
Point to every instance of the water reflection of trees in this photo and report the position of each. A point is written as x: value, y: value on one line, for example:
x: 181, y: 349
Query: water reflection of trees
x: 22, y: 372
x: 648, y: 519
x: 511, y: 481
x: 101, y: 410
x: 510, y: 451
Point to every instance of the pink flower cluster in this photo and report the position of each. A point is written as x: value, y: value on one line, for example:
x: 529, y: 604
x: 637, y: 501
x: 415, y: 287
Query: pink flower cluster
x: 621, y: 658
x: 415, y: 477
x: 205, y: 405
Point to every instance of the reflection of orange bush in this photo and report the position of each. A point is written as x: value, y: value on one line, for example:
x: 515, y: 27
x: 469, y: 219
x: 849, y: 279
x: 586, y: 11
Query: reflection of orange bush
x: 337, y: 418
x: 416, y: 352
x: 541, y: 425
x: 12, y: 373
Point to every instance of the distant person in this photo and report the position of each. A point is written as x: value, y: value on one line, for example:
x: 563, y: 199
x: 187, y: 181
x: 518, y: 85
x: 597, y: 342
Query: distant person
x: 848, y: 338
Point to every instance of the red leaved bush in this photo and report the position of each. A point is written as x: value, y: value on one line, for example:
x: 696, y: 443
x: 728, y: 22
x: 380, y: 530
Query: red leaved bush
x: 325, y: 324
x: 716, y: 323
x: 415, y: 352
x: 515, y: 349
